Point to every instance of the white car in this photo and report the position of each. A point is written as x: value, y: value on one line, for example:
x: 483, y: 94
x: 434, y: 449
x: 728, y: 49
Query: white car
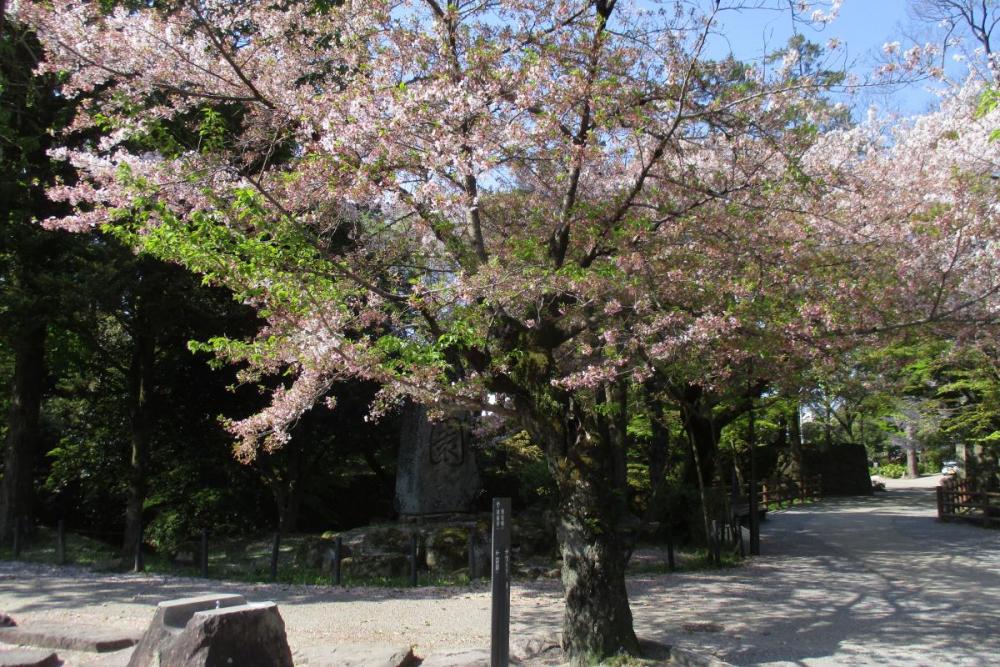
x: 949, y: 468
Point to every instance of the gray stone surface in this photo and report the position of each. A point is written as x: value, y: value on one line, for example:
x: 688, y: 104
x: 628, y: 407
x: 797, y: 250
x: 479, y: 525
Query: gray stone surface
x: 459, y: 658
x: 357, y: 656
x: 170, y: 619
x: 437, y: 472
x: 71, y: 637
x: 21, y: 657
x: 250, y: 635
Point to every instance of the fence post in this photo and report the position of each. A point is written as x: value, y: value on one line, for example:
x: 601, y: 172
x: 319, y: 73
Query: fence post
x: 61, y: 542
x: 204, y: 553
x: 500, y: 585
x: 754, y: 506
x: 338, y: 551
x: 413, y: 559
x: 472, y: 554
x: 939, y: 493
x: 17, y: 538
x: 274, y: 556
x: 671, y: 563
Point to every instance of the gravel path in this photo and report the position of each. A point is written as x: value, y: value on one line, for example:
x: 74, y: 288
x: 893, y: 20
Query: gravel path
x: 873, y: 581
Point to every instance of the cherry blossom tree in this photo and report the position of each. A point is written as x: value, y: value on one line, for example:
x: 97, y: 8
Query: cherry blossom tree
x: 517, y: 206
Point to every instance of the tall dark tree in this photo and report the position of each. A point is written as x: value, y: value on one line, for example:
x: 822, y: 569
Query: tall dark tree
x: 32, y: 261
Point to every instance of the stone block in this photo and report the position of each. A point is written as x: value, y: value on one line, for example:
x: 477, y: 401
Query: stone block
x: 28, y: 658
x: 250, y: 635
x: 70, y: 638
x: 170, y: 619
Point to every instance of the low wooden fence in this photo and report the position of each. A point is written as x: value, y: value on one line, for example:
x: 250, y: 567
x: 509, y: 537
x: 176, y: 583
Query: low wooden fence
x: 957, y: 499
x: 786, y: 492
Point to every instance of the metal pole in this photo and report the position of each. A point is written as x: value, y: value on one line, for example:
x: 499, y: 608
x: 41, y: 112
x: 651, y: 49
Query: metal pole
x: 500, y: 586
x: 204, y: 553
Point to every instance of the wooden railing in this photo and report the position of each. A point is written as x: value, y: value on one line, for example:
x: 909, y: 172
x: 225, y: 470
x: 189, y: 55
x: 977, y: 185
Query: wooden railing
x: 957, y: 499
x: 785, y: 491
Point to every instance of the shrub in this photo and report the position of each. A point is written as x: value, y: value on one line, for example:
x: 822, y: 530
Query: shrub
x: 892, y: 470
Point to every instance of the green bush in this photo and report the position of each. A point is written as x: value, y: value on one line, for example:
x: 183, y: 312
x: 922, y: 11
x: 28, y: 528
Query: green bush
x: 892, y: 470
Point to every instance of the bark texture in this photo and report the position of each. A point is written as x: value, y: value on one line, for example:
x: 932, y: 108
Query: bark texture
x: 140, y: 384
x: 16, y: 488
x: 587, y: 459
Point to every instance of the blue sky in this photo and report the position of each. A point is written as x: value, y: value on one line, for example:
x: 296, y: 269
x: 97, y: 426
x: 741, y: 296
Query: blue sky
x: 863, y: 26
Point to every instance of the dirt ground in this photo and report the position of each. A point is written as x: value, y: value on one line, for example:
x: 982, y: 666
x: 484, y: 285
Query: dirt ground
x: 851, y: 581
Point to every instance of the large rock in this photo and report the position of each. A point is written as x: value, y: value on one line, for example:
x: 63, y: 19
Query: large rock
x: 214, y: 629
x: 436, y: 471
x: 448, y: 549
x: 169, y: 621
x: 250, y: 635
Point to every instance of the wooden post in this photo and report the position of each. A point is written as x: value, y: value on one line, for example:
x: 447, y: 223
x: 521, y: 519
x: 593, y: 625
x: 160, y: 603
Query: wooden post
x: 17, y: 537
x: 204, y: 553
x: 939, y: 493
x: 413, y: 559
x: 671, y: 563
x: 61, y: 542
x: 338, y: 554
x: 472, y: 554
x: 500, y: 585
x: 754, y: 505
x: 274, y: 556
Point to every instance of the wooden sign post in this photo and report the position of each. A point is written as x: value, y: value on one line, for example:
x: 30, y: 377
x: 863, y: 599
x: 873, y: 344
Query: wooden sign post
x: 500, y: 589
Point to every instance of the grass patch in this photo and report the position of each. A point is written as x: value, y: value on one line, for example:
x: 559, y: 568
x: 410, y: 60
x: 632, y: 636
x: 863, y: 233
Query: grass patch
x: 246, y: 560
x: 686, y: 560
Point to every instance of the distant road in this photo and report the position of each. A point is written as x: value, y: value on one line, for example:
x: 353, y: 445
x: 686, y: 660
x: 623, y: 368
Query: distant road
x: 858, y: 581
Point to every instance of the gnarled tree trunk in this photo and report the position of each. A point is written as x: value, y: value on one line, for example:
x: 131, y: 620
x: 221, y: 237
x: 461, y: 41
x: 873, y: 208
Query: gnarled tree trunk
x: 16, y: 488
x: 587, y: 459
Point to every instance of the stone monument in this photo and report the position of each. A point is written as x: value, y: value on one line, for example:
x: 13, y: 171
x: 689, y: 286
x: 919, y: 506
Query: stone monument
x: 436, y: 472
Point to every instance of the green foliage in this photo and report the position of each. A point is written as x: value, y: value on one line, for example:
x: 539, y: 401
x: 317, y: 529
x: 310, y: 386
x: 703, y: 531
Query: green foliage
x: 890, y: 470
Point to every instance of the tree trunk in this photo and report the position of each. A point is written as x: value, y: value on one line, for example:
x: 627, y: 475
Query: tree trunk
x: 795, y: 443
x: 704, y: 434
x: 140, y: 384
x: 16, y: 489
x: 587, y: 463
x: 912, y: 470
